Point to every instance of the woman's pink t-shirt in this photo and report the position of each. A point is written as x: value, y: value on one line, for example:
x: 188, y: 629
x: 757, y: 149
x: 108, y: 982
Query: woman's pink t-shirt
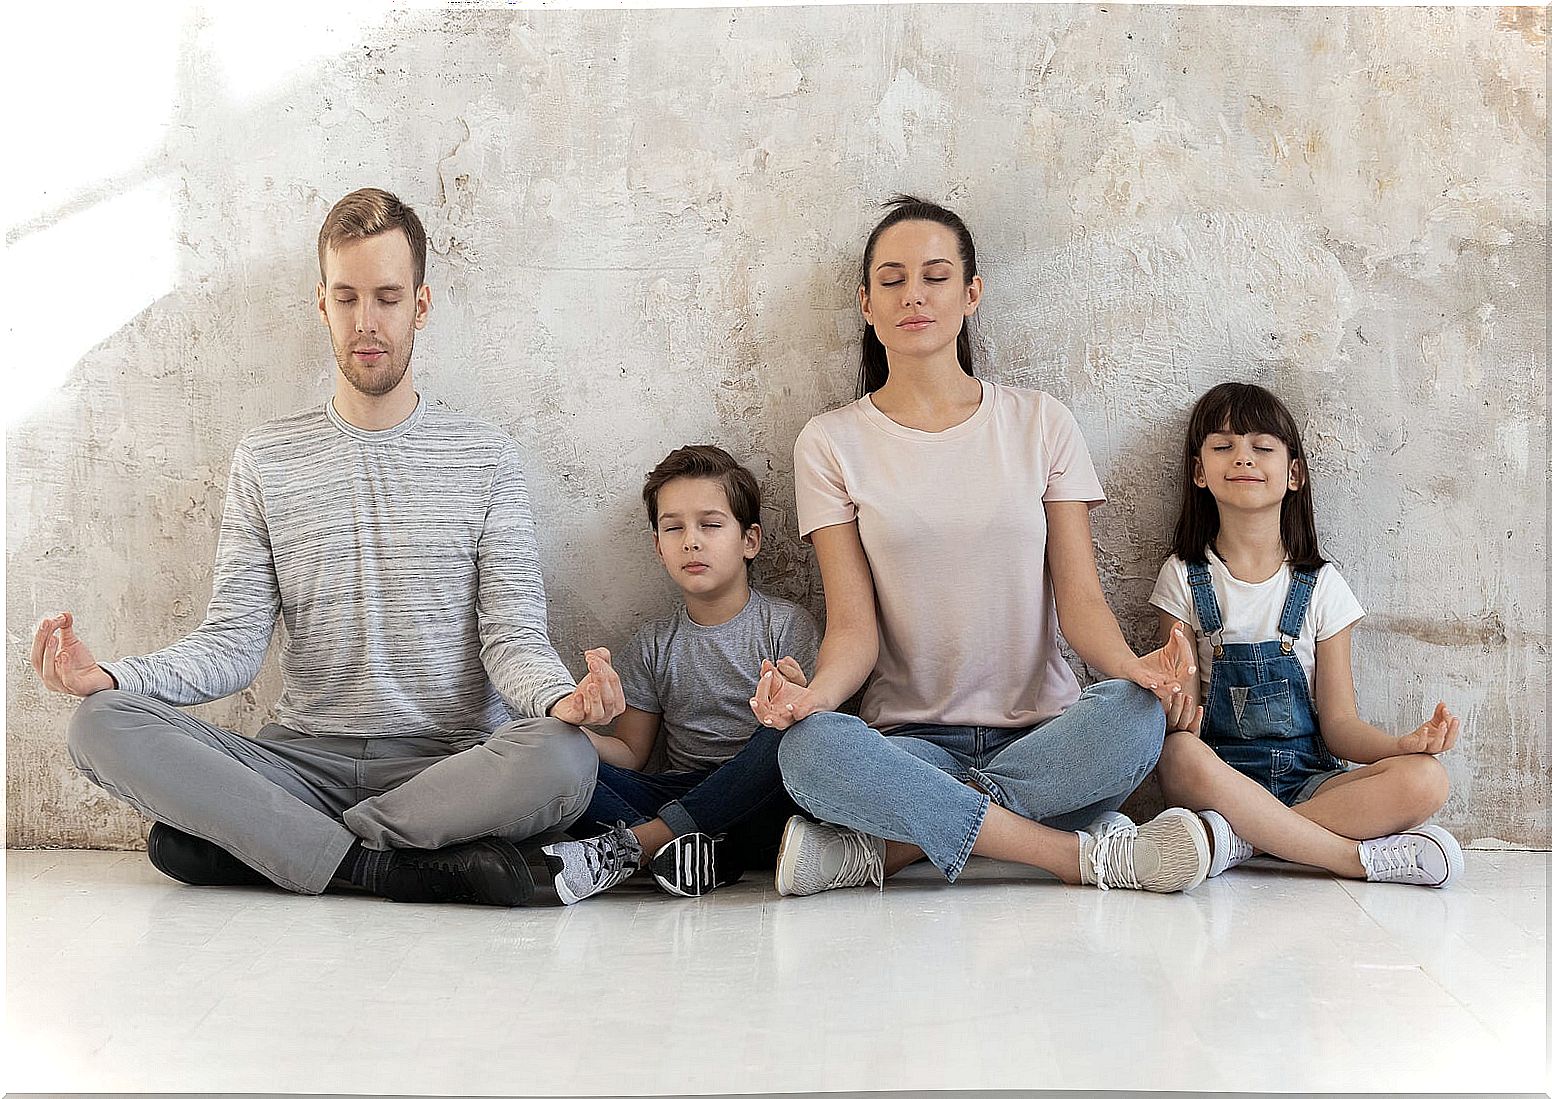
x: 954, y: 530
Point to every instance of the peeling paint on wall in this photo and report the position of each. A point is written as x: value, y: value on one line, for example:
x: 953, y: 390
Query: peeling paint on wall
x: 645, y: 228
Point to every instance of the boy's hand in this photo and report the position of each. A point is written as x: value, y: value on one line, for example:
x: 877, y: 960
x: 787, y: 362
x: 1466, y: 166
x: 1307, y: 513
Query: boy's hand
x: 63, y: 661
x: 1168, y: 672
x: 1438, y: 734
x: 598, y: 698
x: 778, y: 702
x: 790, y: 670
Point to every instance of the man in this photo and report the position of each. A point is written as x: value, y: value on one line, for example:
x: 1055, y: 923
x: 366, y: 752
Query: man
x: 394, y: 539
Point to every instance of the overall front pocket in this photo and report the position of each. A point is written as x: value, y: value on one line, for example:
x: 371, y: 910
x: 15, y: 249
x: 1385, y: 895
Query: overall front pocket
x: 1262, y: 710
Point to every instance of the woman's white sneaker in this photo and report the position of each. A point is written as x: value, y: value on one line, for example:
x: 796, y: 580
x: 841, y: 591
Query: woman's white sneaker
x: 815, y: 857
x: 1166, y: 855
x: 1426, y: 855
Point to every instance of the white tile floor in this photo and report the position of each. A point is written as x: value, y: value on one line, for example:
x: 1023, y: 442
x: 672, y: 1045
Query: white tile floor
x: 1268, y: 978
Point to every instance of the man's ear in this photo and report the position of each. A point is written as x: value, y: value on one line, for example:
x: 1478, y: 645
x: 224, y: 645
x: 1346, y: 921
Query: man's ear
x: 323, y: 313
x: 422, y: 305
x: 752, y: 542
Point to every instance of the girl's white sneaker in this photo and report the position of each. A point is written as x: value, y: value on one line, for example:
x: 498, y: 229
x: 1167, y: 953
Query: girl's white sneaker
x: 1227, y: 848
x: 1426, y: 855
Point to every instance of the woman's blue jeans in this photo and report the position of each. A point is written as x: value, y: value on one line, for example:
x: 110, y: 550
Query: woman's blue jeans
x: 909, y: 785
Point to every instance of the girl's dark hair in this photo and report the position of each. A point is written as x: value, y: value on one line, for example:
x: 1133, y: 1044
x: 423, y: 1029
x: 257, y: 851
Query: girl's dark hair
x: 874, y: 371
x: 1243, y: 409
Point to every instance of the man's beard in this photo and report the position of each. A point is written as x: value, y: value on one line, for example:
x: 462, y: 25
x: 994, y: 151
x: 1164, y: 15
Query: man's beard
x: 376, y: 381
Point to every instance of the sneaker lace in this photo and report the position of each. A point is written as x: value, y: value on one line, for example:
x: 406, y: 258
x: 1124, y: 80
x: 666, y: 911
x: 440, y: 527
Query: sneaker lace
x: 860, y: 864
x: 610, y: 854
x: 1110, y: 857
x: 1393, y: 860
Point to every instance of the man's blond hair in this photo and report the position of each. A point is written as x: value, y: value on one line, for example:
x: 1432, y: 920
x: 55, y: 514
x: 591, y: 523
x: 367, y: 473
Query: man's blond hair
x: 366, y: 213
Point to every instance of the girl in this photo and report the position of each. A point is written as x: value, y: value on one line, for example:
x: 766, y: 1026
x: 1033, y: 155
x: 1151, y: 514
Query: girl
x: 1272, y: 620
x: 950, y: 517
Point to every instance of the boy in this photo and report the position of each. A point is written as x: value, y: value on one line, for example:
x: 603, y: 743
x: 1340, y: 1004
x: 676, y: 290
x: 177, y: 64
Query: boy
x: 720, y: 806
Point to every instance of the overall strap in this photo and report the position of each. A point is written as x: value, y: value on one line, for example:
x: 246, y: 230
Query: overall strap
x: 1206, y: 601
x: 1296, y: 606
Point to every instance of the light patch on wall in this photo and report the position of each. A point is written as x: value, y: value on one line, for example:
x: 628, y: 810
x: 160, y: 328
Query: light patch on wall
x: 257, y: 51
x: 1514, y: 445
x: 74, y: 284
x: 906, y: 104
x: 116, y: 83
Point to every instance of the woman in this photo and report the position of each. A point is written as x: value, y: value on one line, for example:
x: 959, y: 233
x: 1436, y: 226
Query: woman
x: 945, y: 582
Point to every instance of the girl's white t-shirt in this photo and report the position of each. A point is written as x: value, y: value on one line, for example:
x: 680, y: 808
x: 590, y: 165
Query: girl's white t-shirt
x: 1251, y: 612
x: 953, y: 525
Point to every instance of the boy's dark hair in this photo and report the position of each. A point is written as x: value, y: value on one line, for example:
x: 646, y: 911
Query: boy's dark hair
x: 874, y: 369
x: 714, y: 464
x: 1243, y: 409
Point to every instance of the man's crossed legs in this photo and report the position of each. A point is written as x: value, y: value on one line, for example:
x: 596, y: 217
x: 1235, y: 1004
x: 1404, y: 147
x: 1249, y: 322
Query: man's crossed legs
x: 305, y: 811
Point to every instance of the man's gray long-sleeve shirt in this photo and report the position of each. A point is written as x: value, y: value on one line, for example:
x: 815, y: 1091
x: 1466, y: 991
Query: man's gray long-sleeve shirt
x: 403, y: 563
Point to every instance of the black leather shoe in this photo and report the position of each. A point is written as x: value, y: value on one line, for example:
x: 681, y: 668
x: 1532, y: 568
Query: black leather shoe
x: 485, y: 871
x: 194, y: 861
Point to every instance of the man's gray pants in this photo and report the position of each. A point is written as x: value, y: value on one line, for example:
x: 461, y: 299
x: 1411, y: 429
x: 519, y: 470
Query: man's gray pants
x: 290, y: 805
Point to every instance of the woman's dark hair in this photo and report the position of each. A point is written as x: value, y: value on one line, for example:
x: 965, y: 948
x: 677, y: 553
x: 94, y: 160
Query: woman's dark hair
x: 1243, y: 409
x: 875, y: 360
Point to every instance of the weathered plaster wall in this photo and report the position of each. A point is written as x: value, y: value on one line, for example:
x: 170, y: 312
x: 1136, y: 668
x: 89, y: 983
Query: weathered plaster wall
x: 645, y: 227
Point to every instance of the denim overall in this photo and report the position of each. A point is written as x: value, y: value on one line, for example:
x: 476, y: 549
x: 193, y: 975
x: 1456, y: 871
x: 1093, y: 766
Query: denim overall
x: 1258, y: 716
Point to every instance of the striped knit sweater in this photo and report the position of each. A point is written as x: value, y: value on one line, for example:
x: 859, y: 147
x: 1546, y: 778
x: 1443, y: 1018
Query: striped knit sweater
x: 403, y: 564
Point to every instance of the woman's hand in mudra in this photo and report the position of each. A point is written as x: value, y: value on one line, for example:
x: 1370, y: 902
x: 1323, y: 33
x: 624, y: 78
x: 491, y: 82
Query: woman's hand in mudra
x: 782, y: 697
x: 1169, y: 672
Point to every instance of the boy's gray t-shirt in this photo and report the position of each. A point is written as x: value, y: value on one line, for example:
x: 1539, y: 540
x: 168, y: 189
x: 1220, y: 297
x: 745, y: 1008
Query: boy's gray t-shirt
x: 701, y: 678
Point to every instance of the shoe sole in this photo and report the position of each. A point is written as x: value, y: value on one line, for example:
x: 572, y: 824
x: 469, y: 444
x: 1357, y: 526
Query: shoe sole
x: 1222, y: 842
x: 785, y: 857
x: 1197, y: 829
x: 687, y: 866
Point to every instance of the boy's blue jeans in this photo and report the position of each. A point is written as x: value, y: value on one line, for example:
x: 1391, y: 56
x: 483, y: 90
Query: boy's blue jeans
x: 743, y: 799
x: 909, y: 785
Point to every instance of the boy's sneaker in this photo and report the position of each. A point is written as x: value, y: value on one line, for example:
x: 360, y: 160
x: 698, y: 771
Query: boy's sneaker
x: 1107, y: 821
x: 815, y: 857
x: 692, y: 865
x: 1166, y: 855
x: 1228, y: 849
x: 581, y: 868
x: 1427, y: 855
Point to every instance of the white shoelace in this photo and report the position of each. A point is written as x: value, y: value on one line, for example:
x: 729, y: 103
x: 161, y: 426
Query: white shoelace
x: 1394, y: 860
x: 859, y: 864
x: 1114, y: 866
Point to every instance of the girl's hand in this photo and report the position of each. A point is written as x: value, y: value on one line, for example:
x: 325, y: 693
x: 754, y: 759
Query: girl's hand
x: 1438, y: 734
x: 1169, y: 672
x: 778, y: 702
